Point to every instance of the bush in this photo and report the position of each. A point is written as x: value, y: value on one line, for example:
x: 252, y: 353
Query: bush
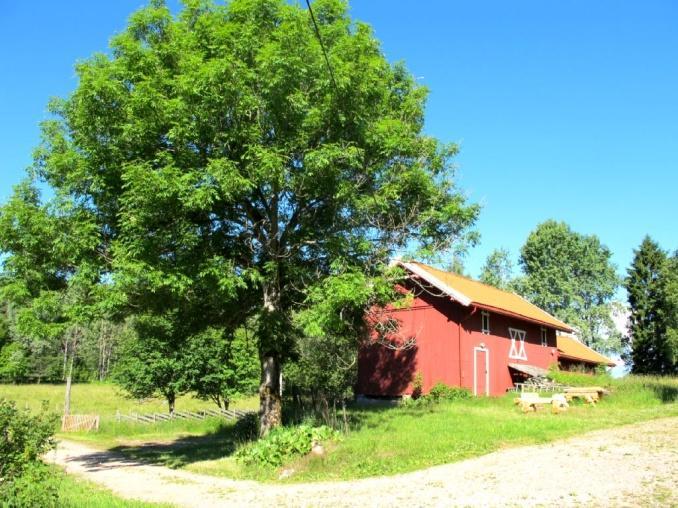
x: 284, y: 443
x: 441, y: 391
x: 23, y: 439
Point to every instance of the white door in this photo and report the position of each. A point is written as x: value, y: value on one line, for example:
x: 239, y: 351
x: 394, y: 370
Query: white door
x: 481, y: 371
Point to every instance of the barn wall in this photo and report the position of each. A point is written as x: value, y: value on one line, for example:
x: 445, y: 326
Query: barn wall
x: 441, y: 342
x: 498, y: 345
x: 429, y: 320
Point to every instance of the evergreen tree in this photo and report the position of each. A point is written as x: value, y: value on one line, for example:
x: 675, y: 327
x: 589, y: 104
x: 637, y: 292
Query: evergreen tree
x: 651, y: 286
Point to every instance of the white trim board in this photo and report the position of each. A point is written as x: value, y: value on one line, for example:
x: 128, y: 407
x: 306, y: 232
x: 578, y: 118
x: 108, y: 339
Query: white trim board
x: 434, y: 281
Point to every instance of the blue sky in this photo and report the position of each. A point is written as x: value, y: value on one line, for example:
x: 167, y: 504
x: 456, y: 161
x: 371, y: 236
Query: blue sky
x: 565, y: 110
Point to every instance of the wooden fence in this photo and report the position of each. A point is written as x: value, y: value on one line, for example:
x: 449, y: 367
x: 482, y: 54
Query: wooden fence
x: 229, y: 414
x: 74, y: 423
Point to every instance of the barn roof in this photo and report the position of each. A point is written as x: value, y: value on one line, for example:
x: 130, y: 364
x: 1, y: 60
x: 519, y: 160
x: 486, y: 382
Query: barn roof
x: 471, y: 292
x: 572, y: 349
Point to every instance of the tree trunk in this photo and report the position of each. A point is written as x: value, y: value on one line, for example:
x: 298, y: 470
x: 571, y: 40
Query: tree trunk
x: 69, y: 361
x: 171, y: 400
x: 67, y: 401
x: 270, y: 402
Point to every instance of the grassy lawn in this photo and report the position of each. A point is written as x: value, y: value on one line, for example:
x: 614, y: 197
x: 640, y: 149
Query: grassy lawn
x: 75, y: 492
x: 103, y: 399
x: 397, y: 439
x: 400, y: 439
x: 106, y: 399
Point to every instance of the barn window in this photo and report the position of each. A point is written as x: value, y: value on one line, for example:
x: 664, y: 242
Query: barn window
x: 517, y: 344
x: 544, y: 338
x: 485, y: 322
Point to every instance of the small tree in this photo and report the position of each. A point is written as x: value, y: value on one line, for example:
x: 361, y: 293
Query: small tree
x: 24, y: 438
x: 652, y: 288
x: 497, y: 270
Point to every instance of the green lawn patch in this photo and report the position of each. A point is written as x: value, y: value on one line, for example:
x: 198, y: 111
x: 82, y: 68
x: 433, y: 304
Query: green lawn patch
x: 103, y: 399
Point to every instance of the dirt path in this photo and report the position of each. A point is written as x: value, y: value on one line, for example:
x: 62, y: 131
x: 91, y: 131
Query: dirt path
x: 627, y: 466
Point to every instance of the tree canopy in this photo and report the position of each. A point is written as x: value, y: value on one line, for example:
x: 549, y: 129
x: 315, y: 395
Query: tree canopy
x: 498, y: 269
x: 224, y: 176
x: 571, y: 276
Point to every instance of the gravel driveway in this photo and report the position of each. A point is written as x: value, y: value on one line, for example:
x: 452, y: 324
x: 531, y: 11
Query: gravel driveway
x: 635, y: 465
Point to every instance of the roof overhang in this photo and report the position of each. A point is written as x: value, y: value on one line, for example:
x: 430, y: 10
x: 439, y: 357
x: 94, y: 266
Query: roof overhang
x: 584, y: 360
x: 530, y: 370
x: 437, y: 283
x: 563, y: 328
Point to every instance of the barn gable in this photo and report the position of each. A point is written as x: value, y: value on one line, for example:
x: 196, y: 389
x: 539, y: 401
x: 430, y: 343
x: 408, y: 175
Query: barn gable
x: 465, y: 334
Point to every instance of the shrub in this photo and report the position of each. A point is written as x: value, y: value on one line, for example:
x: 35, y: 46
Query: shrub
x: 284, y: 443
x: 441, y: 391
x: 417, y: 385
x: 23, y: 439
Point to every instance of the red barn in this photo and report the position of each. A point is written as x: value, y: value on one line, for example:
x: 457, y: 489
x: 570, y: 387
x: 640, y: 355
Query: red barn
x: 573, y: 355
x: 465, y: 334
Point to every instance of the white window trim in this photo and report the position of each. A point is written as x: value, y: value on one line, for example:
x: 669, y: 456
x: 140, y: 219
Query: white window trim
x: 544, y: 337
x: 517, y: 352
x: 484, y: 314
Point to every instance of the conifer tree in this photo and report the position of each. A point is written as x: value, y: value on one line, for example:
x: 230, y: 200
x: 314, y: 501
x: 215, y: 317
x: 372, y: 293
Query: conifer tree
x: 651, y: 284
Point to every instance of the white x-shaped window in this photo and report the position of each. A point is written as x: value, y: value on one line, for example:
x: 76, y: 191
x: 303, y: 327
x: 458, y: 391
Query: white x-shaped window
x: 517, y: 344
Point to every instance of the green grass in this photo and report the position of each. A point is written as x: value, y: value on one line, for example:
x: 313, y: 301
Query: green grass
x: 400, y: 439
x: 394, y: 440
x: 106, y: 399
x: 75, y: 492
x: 103, y: 399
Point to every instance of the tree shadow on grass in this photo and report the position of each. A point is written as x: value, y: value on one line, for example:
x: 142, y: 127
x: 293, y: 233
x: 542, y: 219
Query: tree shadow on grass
x: 665, y: 392
x: 186, y: 450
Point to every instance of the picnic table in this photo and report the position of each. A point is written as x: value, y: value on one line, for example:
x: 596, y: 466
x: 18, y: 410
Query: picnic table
x: 590, y: 394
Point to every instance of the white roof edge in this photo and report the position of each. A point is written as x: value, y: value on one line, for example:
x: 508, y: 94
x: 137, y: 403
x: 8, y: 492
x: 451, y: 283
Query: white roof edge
x: 434, y: 281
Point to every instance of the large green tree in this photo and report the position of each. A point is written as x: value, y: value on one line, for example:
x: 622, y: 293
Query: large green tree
x: 571, y: 276
x: 652, y: 288
x: 229, y: 168
x: 50, y: 276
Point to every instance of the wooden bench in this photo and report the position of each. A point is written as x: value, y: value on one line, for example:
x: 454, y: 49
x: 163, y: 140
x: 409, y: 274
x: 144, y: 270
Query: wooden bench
x: 590, y: 394
x: 531, y: 401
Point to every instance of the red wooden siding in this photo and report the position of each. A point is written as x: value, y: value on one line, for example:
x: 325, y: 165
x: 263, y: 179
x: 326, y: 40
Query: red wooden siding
x: 446, y: 334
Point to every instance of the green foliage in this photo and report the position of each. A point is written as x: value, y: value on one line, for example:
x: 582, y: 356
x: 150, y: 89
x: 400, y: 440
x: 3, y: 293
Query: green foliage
x: 221, y: 368
x: 220, y: 174
x: 13, y: 363
x: 331, y: 327
x: 568, y: 378
x: 24, y: 481
x: 570, y: 275
x: 283, y: 444
x: 652, y: 288
x: 440, y: 392
x: 417, y: 385
x: 497, y: 270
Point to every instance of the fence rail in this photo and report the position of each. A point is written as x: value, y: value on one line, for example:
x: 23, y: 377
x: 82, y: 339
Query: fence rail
x: 537, y: 387
x: 229, y: 414
x: 75, y: 423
